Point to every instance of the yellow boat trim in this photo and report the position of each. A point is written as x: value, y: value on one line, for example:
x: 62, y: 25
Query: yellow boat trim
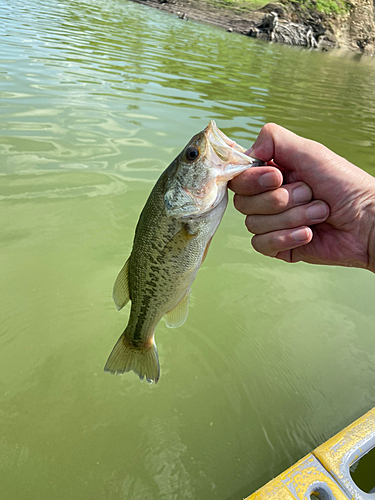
x: 324, y: 473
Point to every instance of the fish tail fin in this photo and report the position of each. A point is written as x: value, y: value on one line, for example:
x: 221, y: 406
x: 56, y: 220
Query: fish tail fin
x: 143, y: 361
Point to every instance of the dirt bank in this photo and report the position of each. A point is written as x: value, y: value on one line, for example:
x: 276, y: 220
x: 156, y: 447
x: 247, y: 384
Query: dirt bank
x: 289, y: 22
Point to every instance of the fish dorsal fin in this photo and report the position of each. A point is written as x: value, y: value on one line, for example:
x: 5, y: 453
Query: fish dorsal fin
x: 177, y: 316
x: 121, y: 294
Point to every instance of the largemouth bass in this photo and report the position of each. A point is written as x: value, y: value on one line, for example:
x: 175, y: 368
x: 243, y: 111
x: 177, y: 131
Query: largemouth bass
x: 171, y: 241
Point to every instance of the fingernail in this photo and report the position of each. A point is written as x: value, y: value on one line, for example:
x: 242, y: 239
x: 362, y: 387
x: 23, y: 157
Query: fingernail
x: 270, y: 179
x: 301, y: 234
x: 317, y: 211
x: 301, y: 194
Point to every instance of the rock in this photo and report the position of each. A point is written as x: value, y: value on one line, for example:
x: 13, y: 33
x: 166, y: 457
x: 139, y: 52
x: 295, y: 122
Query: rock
x: 182, y: 15
x: 361, y: 28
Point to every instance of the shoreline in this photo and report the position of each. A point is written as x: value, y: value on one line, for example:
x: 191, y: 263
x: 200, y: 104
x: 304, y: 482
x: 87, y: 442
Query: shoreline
x: 206, y: 12
x: 286, y: 23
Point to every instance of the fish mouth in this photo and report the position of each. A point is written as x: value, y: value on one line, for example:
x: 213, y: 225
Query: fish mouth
x: 226, y: 154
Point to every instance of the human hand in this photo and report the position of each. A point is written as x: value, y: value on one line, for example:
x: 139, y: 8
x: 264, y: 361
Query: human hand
x: 308, y: 204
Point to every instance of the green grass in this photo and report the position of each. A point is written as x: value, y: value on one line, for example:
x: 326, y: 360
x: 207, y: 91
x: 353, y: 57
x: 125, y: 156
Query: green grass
x: 242, y: 5
x: 339, y: 7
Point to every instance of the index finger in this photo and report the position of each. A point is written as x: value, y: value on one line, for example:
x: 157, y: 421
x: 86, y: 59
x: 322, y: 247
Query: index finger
x: 256, y: 180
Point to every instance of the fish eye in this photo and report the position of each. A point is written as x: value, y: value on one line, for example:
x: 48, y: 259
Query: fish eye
x: 192, y: 153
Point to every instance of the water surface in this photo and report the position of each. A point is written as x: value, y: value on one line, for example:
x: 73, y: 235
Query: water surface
x: 97, y: 98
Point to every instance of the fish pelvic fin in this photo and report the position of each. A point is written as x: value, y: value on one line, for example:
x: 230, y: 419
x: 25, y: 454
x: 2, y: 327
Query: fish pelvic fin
x: 177, y: 316
x: 143, y: 361
x: 121, y: 295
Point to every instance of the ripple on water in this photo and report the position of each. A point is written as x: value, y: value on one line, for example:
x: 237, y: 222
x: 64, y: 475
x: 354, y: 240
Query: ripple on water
x: 53, y: 184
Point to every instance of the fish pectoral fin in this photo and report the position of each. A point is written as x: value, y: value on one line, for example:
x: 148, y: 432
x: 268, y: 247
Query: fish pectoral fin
x: 121, y: 295
x: 189, y: 229
x: 177, y: 316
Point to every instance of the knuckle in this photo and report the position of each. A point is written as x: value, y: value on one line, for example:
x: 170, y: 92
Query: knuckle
x: 237, y: 202
x: 263, y: 245
x: 269, y: 128
x: 278, y: 241
x: 280, y: 199
x: 324, y: 152
x: 257, y: 245
x: 295, y: 217
x: 251, y: 223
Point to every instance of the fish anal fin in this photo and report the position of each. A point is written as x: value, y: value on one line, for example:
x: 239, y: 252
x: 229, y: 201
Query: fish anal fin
x: 121, y: 294
x: 143, y: 360
x: 177, y: 316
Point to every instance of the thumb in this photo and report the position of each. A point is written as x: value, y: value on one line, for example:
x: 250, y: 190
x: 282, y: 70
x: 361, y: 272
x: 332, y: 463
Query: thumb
x: 286, y: 149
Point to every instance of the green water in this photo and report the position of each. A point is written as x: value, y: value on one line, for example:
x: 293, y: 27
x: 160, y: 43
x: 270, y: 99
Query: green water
x: 97, y: 97
x: 362, y: 472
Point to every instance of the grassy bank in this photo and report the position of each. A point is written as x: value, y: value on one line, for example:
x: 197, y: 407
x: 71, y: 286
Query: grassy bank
x: 329, y: 7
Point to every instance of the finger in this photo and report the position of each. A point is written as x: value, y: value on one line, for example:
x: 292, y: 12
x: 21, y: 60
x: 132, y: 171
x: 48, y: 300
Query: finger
x: 275, y: 201
x: 256, y: 180
x: 304, y: 215
x: 271, y: 244
x: 287, y: 149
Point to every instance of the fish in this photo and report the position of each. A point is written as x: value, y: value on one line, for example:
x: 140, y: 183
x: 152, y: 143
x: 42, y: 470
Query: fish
x: 172, y: 237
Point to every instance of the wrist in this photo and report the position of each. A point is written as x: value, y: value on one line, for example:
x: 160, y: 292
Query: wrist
x: 370, y: 226
x: 365, y: 219
x: 371, y: 243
